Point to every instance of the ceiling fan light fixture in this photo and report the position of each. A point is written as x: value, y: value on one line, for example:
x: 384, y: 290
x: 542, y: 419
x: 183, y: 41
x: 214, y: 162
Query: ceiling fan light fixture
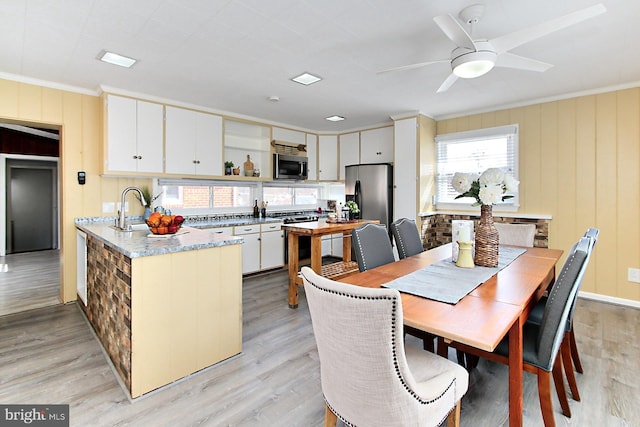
x: 473, y: 64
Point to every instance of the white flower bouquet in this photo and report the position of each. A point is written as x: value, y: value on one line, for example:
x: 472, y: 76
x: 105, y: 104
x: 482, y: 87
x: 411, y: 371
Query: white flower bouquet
x: 488, y: 188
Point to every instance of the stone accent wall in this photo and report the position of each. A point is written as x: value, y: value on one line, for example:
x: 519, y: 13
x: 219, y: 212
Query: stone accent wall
x: 436, y: 228
x: 109, y: 303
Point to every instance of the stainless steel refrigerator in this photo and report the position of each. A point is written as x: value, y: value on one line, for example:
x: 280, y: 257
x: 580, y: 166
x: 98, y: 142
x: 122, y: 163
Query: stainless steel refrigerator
x: 371, y: 187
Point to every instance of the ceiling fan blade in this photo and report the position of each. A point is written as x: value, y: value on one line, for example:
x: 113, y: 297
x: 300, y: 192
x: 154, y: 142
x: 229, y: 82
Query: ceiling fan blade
x: 452, y: 28
x: 509, y: 60
x: 517, y: 38
x: 412, y: 66
x: 447, y: 83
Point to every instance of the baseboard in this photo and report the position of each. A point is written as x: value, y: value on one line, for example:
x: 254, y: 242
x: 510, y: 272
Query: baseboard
x: 608, y: 299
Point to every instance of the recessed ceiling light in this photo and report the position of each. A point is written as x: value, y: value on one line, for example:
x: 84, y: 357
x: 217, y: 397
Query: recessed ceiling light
x: 115, y: 59
x: 306, y: 79
x: 335, y: 118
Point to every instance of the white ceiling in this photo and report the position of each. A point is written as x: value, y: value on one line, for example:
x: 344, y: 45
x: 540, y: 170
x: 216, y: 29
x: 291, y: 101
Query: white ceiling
x: 232, y: 55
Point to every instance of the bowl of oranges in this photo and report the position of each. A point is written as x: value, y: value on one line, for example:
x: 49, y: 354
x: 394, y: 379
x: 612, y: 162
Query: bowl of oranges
x: 164, y: 224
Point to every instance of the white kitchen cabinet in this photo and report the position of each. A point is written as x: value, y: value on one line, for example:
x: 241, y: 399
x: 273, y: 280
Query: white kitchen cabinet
x: 222, y: 230
x: 250, y: 247
x: 287, y: 135
x: 405, y: 169
x: 326, y: 245
x: 193, y: 142
x: 349, y: 151
x: 328, y: 158
x: 312, y: 155
x: 134, y: 139
x: 376, y: 145
x: 271, y: 246
x: 336, y: 245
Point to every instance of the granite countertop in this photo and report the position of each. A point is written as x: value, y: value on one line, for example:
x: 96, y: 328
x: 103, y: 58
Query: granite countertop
x: 135, y: 244
x: 231, y: 222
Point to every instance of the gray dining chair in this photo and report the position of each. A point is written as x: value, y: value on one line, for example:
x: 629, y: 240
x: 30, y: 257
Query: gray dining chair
x: 407, y: 237
x: 569, y: 346
x: 541, y: 342
x: 516, y: 234
x: 368, y: 376
x: 372, y: 246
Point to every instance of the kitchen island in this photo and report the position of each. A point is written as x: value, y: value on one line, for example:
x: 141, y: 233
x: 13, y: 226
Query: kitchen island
x: 163, y: 307
x: 317, y: 229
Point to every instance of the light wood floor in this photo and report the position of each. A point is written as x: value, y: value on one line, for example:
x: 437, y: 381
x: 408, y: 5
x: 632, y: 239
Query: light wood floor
x: 29, y: 280
x: 50, y: 355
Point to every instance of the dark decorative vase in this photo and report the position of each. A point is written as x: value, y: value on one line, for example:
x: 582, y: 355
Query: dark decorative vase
x: 486, y: 239
x: 147, y: 213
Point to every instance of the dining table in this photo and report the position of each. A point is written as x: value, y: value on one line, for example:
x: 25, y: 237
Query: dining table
x: 496, y: 308
x: 317, y: 229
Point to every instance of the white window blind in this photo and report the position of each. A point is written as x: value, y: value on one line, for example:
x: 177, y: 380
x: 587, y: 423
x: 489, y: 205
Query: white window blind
x: 474, y: 152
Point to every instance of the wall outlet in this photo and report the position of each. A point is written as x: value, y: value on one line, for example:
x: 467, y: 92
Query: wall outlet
x: 633, y: 275
x: 108, y: 207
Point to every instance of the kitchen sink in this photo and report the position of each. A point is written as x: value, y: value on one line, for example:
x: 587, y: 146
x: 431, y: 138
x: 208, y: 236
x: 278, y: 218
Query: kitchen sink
x: 132, y: 227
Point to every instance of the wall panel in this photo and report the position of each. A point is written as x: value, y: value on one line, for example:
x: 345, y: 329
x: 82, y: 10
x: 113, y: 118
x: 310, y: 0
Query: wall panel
x: 580, y: 163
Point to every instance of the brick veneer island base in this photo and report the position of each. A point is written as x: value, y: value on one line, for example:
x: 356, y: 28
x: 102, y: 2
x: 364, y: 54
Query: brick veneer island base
x: 163, y: 308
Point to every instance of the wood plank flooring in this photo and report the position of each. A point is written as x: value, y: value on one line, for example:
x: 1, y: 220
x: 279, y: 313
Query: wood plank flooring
x: 49, y: 355
x: 29, y: 280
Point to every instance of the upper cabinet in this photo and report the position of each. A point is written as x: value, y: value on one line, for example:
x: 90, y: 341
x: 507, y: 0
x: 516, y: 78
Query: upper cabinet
x: 376, y: 145
x: 328, y: 158
x: 405, y: 170
x: 134, y: 136
x: 312, y: 154
x: 288, y: 135
x: 193, y: 142
x: 242, y: 139
x: 349, y: 151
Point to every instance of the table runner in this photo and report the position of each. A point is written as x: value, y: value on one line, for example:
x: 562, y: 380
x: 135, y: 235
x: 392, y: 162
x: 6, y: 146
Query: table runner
x: 446, y: 282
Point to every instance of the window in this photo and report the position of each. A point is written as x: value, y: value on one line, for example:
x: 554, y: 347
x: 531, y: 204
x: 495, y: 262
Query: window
x: 474, y: 152
x: 283, y: 197
x: 194, y: 197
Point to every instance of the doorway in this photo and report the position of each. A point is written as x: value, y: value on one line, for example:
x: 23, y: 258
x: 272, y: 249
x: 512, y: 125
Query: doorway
x: 31, y: 205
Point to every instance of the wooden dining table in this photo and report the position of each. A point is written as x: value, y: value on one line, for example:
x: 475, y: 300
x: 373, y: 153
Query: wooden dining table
x: 497, y: 307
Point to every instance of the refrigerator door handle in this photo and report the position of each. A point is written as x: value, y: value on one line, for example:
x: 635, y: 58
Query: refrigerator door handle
x: 356, y: 192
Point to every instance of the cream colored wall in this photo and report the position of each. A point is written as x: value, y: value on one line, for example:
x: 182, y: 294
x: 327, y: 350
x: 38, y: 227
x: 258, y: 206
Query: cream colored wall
x: 580, y: 163
x: 79, y: 118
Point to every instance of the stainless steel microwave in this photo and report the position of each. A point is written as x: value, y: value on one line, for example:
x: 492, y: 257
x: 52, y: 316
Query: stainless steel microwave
x: 290, y: 167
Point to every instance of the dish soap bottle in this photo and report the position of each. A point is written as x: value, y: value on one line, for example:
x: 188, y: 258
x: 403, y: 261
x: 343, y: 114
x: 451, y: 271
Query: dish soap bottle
x: 256, y: 211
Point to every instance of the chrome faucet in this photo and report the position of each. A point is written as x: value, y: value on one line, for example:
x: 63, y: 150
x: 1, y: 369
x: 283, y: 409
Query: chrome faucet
x: 143, y: 202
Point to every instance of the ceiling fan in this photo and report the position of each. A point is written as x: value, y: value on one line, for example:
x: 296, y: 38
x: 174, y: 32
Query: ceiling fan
x: 474, y: 58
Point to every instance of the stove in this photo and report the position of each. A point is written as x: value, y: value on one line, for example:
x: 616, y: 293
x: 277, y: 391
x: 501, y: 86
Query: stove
x: 299, y: 218
x: 304, y: 242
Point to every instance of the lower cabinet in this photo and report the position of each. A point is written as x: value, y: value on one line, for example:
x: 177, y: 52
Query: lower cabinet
x: 263, y: 246
x: 250, y: 247
x: 271, y: 246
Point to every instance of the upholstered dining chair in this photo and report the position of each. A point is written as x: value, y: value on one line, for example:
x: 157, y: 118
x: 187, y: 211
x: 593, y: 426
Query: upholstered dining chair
x: 569, y: 347
x: 372, y: 246
x: 407, y: 237
x: 516, y: 234
x: 368, y: 376
x: 541, y: 342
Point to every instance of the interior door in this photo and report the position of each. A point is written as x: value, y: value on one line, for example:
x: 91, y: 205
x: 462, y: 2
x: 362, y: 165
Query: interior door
x: 31, y: 206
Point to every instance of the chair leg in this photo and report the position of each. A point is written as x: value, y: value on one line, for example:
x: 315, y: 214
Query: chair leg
x: 558, y: 379
x: 453, y: 420
x: 574, y: 351
x: 330, y: 419
x: 565, y: 350
x: 544, y: 394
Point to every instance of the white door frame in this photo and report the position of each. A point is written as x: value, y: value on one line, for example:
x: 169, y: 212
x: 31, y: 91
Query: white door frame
x: 3, y: 193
